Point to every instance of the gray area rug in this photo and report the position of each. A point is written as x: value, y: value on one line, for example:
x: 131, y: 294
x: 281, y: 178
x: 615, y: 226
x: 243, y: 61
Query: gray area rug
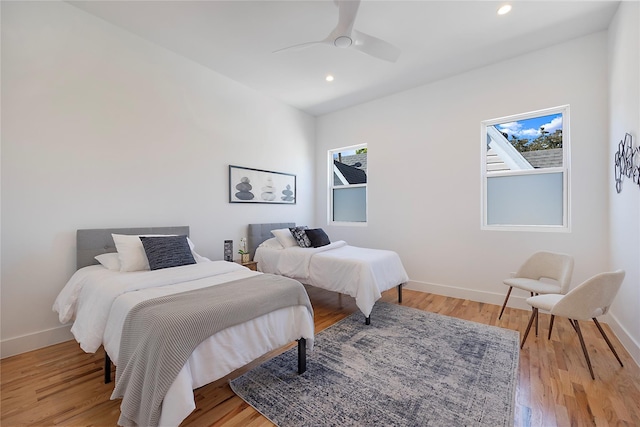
x: 408, y: 368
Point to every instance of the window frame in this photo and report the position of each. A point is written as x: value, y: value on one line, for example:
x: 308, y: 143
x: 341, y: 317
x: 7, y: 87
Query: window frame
x: 331, y: 186
x: 565, y: 169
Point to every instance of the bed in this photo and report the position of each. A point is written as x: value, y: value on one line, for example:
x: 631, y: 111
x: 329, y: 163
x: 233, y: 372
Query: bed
x: 100, y: 299
x: 362, y: 273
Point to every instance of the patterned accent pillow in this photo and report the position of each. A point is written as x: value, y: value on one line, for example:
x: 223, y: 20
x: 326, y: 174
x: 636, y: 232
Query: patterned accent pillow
x: 299, y: 234
x: 168, y: 251
x: 317, y: 237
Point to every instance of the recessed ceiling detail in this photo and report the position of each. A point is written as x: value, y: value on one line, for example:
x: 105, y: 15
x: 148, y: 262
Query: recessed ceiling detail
x: 504, y: 9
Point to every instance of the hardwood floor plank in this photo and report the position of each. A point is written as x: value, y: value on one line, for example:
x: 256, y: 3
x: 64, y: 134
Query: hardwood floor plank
x: 562, y: 416
x: 61, y: 385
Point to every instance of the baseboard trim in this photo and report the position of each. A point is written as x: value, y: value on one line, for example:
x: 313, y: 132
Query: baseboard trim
x: 25, y: 343
x: 516, y: 301
x: 631, y: 345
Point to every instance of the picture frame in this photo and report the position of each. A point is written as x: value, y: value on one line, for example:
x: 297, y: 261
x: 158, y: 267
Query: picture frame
x: 248, y: 185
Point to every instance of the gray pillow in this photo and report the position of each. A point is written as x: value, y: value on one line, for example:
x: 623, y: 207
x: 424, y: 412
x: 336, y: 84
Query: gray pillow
x: 317, y: 237
x: 299, y: 234
x: 167, y: 251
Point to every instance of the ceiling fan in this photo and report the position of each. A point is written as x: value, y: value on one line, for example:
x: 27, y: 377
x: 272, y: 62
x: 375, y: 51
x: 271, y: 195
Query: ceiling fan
x: 344, y: 36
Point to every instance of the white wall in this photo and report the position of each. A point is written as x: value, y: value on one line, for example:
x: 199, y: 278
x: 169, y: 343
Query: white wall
x: 103, y: 129
x: 424, y: 171
x: 624, y: 208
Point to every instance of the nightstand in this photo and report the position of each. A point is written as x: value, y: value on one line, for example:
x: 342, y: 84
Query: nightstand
x: 251, y: 265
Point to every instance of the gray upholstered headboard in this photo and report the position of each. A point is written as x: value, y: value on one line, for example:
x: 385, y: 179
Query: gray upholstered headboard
x: 258, y: 233
x: 96, y: 241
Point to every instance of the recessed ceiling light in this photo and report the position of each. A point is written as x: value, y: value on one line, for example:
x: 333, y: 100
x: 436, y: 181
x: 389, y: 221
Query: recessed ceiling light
x: 329, y: 78
x: 504, y: 9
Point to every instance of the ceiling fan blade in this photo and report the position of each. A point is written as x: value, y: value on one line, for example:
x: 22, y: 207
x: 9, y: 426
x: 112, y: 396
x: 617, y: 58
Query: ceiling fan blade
x: 375, y: 47
x: 347, y: 11
x: 300, y: 46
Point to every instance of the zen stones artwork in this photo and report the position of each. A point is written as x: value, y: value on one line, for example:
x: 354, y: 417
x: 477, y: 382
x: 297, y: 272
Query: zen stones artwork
x: 287, y: 194
x: 248, y: 185
x: 244, y: 189
x: 268, y: 191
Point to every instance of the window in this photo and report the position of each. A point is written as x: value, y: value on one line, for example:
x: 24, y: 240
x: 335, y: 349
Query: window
x: 348, y: 185
x: 525, y: 171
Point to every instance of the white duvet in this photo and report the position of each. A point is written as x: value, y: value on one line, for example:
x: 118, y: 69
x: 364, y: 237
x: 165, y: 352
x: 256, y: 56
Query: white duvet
x: 99, y: 299
x: 359, y: 272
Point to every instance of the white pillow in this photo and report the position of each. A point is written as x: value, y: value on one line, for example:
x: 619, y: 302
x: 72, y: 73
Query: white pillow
x: 271, y: 243
x: 284, y: 237
x: 196, y: 256
x: 109, y: 260
x: 199, y: 258
x: 131, y: 253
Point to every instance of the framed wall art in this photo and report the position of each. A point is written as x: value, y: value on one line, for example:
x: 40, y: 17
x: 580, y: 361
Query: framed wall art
x: 247, y: 185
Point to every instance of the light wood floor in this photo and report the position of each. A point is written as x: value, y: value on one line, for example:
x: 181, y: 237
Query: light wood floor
x: 61, y: 385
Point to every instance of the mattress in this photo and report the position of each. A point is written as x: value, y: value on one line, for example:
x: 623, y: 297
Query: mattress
x: 362, y: 273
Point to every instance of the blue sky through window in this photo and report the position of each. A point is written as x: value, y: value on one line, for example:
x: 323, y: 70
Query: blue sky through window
x: 530, y: 128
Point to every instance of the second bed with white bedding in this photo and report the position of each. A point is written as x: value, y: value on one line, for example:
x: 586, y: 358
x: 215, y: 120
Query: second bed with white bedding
x: 362, y: 273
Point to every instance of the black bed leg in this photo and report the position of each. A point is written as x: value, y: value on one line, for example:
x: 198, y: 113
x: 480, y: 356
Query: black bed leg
x: 400, y: 293
x: 367, y: 321
x: 302, y: 356
x: 107, y: 368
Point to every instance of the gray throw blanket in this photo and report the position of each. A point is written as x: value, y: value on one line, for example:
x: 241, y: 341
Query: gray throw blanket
x: 160, y: 334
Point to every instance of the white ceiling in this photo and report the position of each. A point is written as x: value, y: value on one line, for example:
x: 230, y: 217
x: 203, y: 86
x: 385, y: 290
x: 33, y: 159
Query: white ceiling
x: 437, y: 39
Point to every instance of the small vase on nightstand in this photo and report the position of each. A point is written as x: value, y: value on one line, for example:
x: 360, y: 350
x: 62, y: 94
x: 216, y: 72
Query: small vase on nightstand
x: 245, y: 258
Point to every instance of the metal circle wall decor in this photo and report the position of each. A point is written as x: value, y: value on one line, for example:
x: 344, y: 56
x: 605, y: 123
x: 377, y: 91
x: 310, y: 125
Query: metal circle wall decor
x: 627, y: 162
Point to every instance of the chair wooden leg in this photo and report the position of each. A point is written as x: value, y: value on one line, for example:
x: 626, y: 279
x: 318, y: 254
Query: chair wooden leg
x: 526, y: 333
x: 576, y: 326
x: 505, y: 302
x: 607, y: 340
x: 551, y: 326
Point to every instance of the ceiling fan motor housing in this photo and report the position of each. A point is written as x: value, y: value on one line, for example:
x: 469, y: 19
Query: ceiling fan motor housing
x: 343, y: 41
